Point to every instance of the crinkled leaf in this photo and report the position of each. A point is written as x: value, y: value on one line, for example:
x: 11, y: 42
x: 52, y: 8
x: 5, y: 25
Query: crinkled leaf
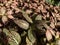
x: 14, y: 37
x: 22, y: 24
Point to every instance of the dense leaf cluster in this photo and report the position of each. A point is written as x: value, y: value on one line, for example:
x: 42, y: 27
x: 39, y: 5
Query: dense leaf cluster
x: 29, y: 22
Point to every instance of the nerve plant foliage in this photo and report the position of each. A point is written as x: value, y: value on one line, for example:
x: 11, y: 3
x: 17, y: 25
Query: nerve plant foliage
x: 29, y: 22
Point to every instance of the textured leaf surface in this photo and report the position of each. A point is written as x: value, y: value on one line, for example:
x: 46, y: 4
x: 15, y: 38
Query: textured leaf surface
x: 22, y: 24
x: 14, y: 37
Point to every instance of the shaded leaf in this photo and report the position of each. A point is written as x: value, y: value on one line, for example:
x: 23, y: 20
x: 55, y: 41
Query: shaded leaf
x: 58, y: 42
x: 31, y: 36
x: 23, y: 33
x: 28, y: 41
x: 52, y: 32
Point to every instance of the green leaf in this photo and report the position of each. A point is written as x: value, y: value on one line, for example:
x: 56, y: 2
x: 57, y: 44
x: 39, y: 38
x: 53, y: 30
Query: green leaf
x: 1, y: 43
x: 57, y: 42
x: 59, y: 4
x: 27, y: 17
x: 14, y: 37
x: 31, y: 36
x: 22, y: 24
x: 28, y: 41
x: 23, y: 33
x: 50, y: 1
x: 38, y: 17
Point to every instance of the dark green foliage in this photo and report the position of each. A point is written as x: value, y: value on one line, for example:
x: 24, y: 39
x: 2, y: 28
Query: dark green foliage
x: 54, y: 2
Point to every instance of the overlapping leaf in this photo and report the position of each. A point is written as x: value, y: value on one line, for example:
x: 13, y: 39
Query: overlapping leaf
x: 14, y: 37
x: 31, y: 36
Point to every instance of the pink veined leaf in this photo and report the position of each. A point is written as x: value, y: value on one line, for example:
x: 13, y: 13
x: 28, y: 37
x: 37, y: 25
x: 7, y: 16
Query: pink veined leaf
x: 48, y: 35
